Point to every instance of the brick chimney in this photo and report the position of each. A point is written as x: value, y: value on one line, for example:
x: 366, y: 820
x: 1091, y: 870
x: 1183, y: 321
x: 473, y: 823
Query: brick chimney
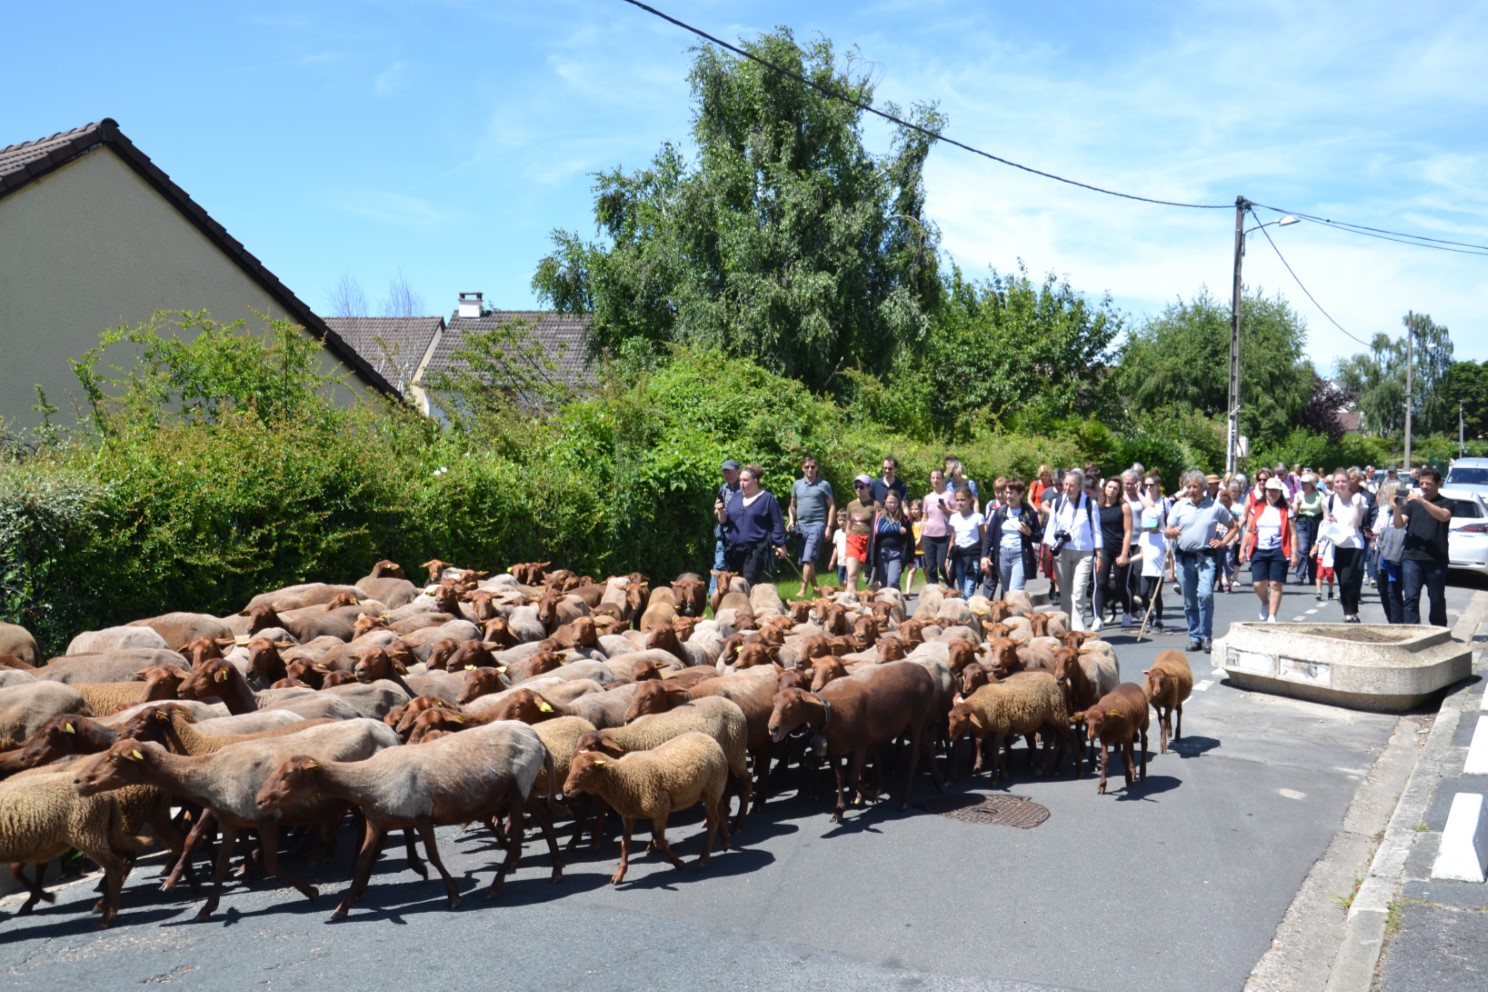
x: 470, y: 305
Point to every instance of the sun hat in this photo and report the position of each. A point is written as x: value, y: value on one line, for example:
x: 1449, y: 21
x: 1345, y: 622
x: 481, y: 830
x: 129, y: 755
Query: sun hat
x: 730, y: 465
x: 1275, y: 483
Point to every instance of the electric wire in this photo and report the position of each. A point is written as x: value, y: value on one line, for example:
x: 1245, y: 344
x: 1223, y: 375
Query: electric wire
x: 1416, y: 240
x: 1299, y: 283
x: 935, y: 136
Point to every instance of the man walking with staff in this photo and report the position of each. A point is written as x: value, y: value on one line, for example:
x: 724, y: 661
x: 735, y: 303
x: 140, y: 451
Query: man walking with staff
x: 1194, y: 527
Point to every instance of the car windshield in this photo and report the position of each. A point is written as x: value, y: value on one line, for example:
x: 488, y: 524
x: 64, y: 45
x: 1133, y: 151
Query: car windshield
x: 1467, y: 475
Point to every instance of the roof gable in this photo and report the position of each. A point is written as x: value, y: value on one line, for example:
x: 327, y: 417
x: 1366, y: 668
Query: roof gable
x: 24, y: 163
x: 563, y: 337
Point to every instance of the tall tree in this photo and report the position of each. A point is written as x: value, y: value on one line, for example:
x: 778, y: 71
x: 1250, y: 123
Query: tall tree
x: 1377, y: 379
x: 1181, y: 359
x: 1009, y: 347
x: 785, y: 240
x: 1467, y: 383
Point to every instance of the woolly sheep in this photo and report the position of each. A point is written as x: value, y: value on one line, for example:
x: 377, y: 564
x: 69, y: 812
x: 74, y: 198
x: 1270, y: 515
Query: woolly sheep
x: 24, y: 708
x: 651, y: 785
x: 1169, y: 683
x: 1021, y: 704
x: 112, y: 666
x: 469, y: 776
x: 114, y: 638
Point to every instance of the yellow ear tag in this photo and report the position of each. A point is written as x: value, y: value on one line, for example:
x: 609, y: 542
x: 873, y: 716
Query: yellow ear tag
x: 599, y: 762
x: 309, y: 762
x: 221, y: 675
x: 500, y: 669
x: 161, y: 715
x: 543, y: 707
x: 469, y: 668
x: 69, y: 728
x: 135, y: 755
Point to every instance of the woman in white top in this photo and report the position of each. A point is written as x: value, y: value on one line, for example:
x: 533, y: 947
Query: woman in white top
x: 966, y: 524
x: 1343, y: 516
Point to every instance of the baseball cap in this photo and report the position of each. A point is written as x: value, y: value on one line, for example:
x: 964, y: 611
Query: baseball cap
x: 731, y: 466
x: 864, y: 480
x: 1308, y: 479
x: 1275, y: 483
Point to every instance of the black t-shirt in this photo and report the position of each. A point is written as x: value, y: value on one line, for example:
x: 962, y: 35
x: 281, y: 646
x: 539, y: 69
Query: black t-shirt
x: 1425, y: 536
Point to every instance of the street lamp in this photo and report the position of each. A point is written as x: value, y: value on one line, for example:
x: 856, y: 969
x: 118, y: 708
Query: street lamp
x: 1233, y: 428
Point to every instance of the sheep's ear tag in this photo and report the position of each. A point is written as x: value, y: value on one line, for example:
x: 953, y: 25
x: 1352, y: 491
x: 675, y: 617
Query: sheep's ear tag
x: 284, y: 644
x: 500, y: 669
x: 309, y: 762
x: 221, y: 675
x: 69, y: 728
x: 241, y: 639
x: 543, y: 707
x: 599, y: 762
x: 136, y: 756
x: 471, y: 668
x: 159, y: 715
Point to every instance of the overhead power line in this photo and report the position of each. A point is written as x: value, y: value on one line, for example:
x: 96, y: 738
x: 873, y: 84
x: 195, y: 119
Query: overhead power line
x: 837, y: 95
x: 1298, y: 281
x: 1420, y: 241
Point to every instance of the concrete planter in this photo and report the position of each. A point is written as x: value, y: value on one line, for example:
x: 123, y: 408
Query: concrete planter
x: 1387, y: 668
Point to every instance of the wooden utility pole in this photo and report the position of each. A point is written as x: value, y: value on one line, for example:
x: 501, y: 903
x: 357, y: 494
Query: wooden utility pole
x: 1409, y: 334
x: 1232, y: 430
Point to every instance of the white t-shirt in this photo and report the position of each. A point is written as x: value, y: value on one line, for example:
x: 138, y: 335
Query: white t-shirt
x: 1153, y: 545
x: 839, y: 541
x: 968, y: 529
x: 1268, y: 529
x: 1012, y: 537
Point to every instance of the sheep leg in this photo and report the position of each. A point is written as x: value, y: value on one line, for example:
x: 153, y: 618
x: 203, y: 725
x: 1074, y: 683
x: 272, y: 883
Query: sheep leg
x: 37, y: 890
x: 582, y: 806
x: 1100, y: 790
x: 1144, y: 754
x: 658, y: 839
x: 839, y: 771
x: 626, y: 824
x: 1178, y: 734
x: 183, y: 861
x: 914, y: 764
x: 366, y: 857
x: 425, y: 827
x: 219, y: 872
x: 745, y: 783
x: 164, y: 828
x: 515, y: 804
x: 115, y: 869
x: 410, y: 850
x: 539, y: 812
x: 760, y: 756
x: 859, y: 762
x: 1128, y: 762
x: 268, y: 843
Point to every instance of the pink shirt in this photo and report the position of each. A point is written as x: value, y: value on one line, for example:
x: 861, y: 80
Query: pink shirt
x: 938, y: 519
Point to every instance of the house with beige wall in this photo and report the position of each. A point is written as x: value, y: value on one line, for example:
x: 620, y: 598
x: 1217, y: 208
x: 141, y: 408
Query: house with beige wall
x: 94, y: 235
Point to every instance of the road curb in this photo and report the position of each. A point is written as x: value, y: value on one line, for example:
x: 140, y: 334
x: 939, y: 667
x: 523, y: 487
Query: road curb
x: 1368, y: 916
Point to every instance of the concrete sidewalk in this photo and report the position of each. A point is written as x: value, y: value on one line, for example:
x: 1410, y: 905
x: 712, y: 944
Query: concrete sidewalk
x: 1404, y: 931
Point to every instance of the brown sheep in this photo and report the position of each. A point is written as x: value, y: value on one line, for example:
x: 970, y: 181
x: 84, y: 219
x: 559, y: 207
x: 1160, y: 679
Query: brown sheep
x: 1169, y: 683
x: 1120, y: 718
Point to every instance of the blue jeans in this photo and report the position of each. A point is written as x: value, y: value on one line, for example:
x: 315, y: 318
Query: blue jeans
x: 1307, y: 528
x: 1010, y: 571
x: 1196, y: 579
x: 1433, y: 575
x: 964, y: 562
x: 890, y: 567
x: 718, y: 564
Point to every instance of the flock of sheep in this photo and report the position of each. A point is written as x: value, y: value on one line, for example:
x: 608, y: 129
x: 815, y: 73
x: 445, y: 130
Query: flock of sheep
x: 505, y: 700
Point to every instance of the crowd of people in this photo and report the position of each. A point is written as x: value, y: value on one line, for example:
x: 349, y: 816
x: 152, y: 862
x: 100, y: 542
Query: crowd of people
x: 1107, y: 546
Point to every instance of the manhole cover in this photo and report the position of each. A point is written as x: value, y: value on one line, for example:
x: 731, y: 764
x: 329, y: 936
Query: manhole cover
x: 1003, y: 811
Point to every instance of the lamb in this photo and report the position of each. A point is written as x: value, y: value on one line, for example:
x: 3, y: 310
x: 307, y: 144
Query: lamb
x: 1120, y: 717
x: 1169, y: 683
x: 473, y: 775
x: 1021, y: 704
x: 679, y: 773
x: 226, y: 782
x: 41, y: 817
x: 721, y: 719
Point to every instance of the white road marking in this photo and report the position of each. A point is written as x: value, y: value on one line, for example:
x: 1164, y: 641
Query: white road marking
x: 1204, y: 684
x: 1312, y: 611
x: 1477, y: 751
x: 1291, y: 794
x: 1458, y: 858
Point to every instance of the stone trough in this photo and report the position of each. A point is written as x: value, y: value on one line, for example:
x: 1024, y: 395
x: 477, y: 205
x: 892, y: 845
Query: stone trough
x: 1387, y: 668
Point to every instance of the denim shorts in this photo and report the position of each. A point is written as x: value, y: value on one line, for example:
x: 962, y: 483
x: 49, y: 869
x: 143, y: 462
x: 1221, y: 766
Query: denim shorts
x: 811, y: 541
x: 1268, y: 566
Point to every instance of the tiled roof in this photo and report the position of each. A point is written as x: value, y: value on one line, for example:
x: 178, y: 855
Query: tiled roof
x: 563, y: 337
x: 1350, y: 420
x: 394, y: 346
x: 20, y: 164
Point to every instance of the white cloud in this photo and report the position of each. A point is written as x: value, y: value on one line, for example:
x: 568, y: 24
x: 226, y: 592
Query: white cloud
x: 397, y: 209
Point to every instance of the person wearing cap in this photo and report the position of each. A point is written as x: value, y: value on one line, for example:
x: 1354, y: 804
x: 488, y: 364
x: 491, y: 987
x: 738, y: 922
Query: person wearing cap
x: 1270, y: 545
x: 1212, y: 481
x: 721, y: 498
x: 860, y: 513
x: 1307, y: 513
x: 752, y: 526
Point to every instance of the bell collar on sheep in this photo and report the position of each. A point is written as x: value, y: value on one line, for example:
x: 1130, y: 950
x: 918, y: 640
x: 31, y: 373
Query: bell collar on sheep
x: 826, y: 711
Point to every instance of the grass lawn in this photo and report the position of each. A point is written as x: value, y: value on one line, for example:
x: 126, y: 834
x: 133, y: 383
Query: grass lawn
x: 789, y: 585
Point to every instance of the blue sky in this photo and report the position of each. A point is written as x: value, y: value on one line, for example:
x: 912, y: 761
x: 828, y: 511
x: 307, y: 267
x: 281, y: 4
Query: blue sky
x: 442, y: 140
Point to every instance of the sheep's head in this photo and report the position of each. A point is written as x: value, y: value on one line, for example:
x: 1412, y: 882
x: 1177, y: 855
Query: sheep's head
x: 825, y: 671
x: 795, y: 678
x: 1040, y: 624
x: 961, y: 720
x: 890, y: 648
x: 295, y: 777
x: 61, y: 735
x: 161, y: 681
x: 974, y: 676
x: 128, y: 762
x: 655, y: 697
x: 645, y: 671
x: 386, y: 569
x: 524, y: 705
x: 204, y: 649
x: 799, y: 611
x: 436, y: 568
x: 585, y: 633
x: 864, y: 633
x: 366, y: 623
x: 585, y: 769
x: 753, y: 654
x: 1066, y: 660
x: 599, y: 740
x: 341, y: 599
x: 788, y: 711
x: 1095, y: 721
x: 480, y: 682
x: 213, y: 679
x: 959, y: 654
x: 261, y: 618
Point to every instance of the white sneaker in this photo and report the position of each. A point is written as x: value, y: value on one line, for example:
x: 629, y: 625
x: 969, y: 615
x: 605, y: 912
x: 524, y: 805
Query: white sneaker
x: 1126, y: 619
x: 1095, y: 624
x: 1271, y: 618
x: 1265, y: 615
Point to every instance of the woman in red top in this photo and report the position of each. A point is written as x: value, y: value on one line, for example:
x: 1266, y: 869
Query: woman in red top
x: 1270, y: 546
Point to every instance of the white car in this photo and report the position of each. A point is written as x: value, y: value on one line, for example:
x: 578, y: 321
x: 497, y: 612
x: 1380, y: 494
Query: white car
x: 1467, y: 539
x: 1468, y: 475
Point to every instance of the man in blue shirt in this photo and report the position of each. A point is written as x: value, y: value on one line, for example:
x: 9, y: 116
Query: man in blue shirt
x: 729, y: 487
x: 1194, y: 528
x: 812, y: 510
x: 890, y: 482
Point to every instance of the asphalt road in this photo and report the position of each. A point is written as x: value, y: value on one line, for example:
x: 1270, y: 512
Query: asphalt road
x: 1177, y: 883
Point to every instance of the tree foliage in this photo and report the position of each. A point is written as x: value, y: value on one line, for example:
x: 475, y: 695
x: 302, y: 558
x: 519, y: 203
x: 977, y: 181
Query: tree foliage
x: 1467, y: 383
x: 1181, y: 360
x: 786, y: 241
x: 1377, y: 379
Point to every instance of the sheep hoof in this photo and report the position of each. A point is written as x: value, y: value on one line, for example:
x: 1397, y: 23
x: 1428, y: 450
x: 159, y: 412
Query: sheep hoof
x: 557, y: 876
x: 312, y: 893
x: 454, y: 901
x: 340, y: 913
x: 615, y: 878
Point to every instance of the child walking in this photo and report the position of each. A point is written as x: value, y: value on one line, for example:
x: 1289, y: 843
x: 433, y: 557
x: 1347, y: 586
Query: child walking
x: 916, y: 523
x: 1323, y: 552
